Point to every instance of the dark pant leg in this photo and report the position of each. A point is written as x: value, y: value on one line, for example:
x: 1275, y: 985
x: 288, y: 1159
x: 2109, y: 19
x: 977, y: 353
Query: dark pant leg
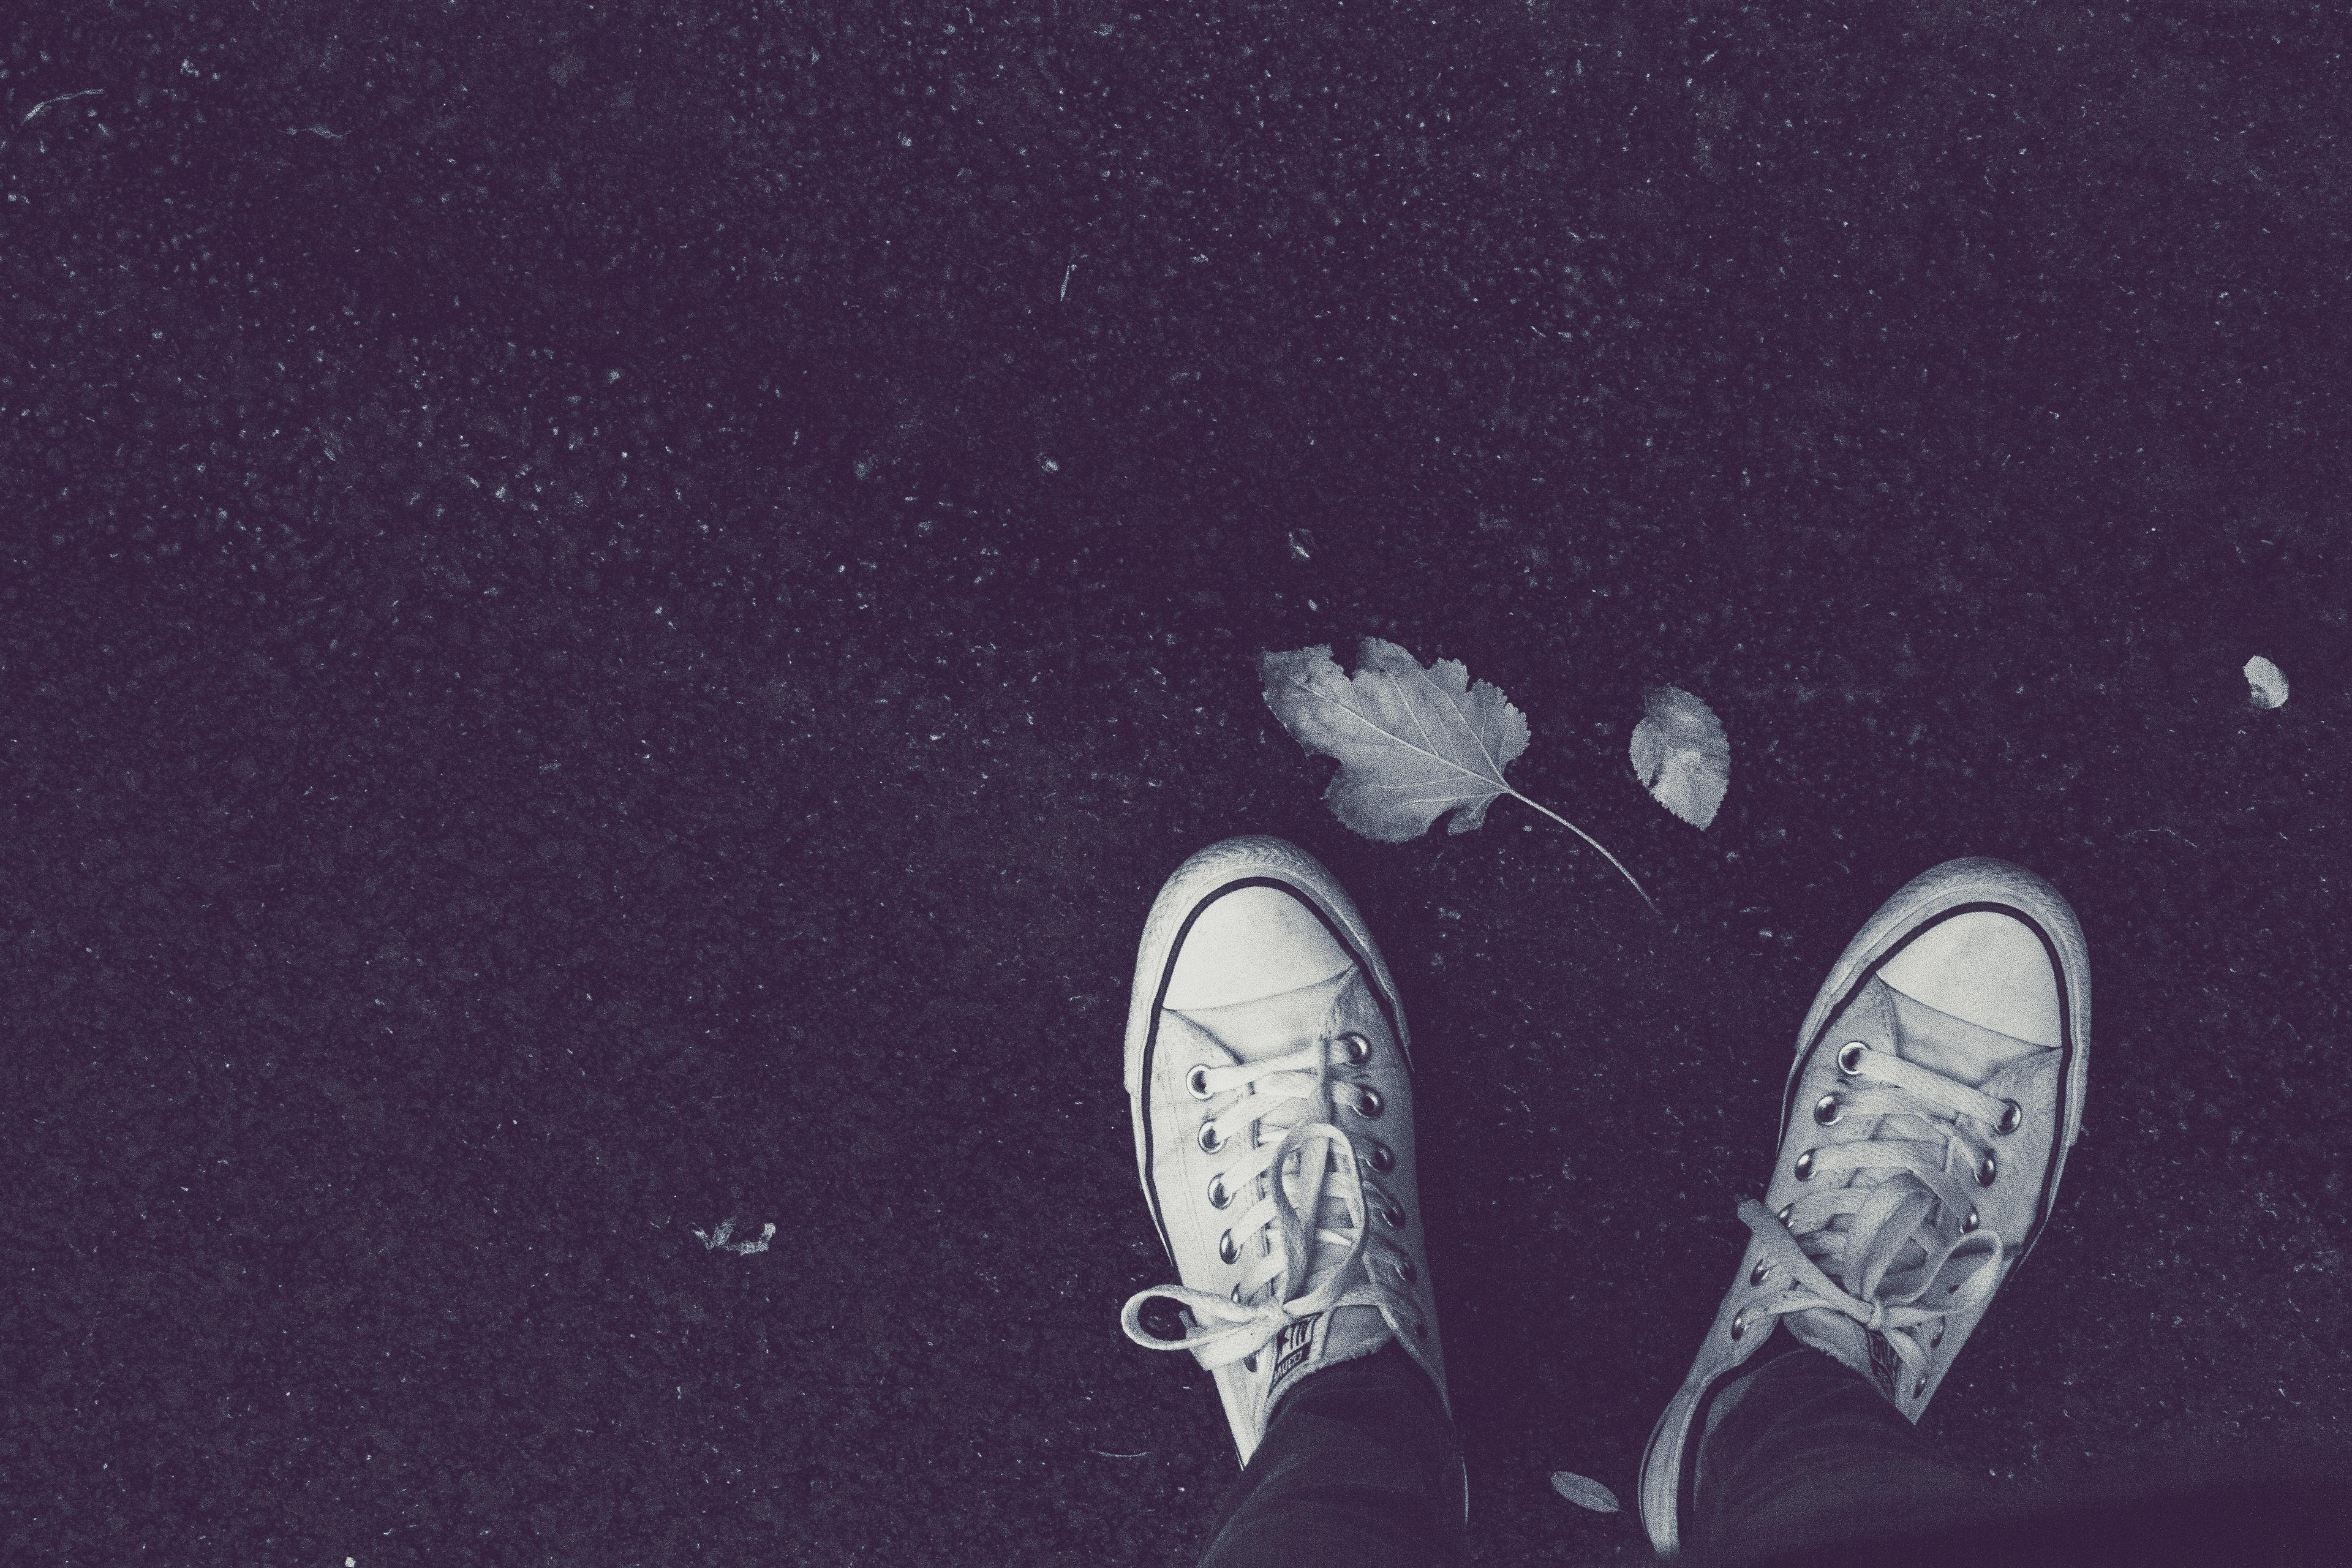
x: 1812, y: 1466
x: 1808, y: 1453
x: 1360, y: 1467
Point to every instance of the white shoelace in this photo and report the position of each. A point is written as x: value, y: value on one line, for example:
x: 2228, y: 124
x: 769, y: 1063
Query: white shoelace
x: 1854, y: 1270
x: 1310, y: 1272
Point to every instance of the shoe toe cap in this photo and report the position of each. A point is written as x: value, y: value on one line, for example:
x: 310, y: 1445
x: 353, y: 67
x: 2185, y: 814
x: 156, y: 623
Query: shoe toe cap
x: 1250, y: 943
x: 1985, y: 967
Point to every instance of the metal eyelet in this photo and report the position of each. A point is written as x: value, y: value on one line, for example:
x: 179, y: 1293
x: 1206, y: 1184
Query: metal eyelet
x: 1250, y: 1362
x: 1968, y: 1224
x: 1227, y: 1249
x: 2012, y: 1117
x: 1825, y: 1109
x: 1218, y: 1196
x: 1237, y: 1292
x: 1197, y: 1081
x: 1367, y: 1103
x: 1393, y: 1212
x: 1738, y: 1323
x: 1988, y: 1170
x: 1786, y: 1210
x: 1849, y: 1058
x: 1937, y: 1340
x: 1210, y: 1141
x: 1918, y: 1388
x: 1805, y: 1166
x: 1404, y: 1269
x: 1360, y: 1049
x: 1755, y: 1274
x: 1383, y: 1159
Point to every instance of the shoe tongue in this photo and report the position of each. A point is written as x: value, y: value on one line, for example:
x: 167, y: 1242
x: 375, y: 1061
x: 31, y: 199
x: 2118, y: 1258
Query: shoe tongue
x: 1271, y: 1026
x: 1954, y: 1048
x: 1848, y: 1343
x: 1960, y: 1050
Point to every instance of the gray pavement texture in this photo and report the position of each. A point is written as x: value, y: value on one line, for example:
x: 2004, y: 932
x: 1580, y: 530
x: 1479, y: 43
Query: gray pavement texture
x: 609, y: 617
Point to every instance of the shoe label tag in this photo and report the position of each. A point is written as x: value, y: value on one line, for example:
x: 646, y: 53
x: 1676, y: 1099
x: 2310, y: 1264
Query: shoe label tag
x: 1885, y: 1365
x: 1291, y: 1346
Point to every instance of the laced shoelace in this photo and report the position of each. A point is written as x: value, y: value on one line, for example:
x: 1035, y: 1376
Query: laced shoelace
x: 1865, y: 1271
x: 1310, y: 1271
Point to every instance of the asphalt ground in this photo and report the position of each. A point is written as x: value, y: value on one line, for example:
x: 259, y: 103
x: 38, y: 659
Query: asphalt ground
x: 610, y: 618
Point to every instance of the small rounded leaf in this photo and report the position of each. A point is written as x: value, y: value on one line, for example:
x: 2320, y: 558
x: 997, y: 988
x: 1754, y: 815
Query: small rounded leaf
x: 2266, y: 684
x: 1681, y: 755
x: 1584, y: 1491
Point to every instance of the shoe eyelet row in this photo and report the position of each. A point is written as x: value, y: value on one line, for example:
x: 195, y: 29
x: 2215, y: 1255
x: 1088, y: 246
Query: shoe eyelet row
x: 1360, y: 1051
x: 1803, y: 1171
x: 1383, y: 1159
x: 1230, y: 1250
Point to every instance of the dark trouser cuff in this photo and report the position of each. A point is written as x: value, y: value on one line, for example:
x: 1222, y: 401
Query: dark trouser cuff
x: 1360, y: 1467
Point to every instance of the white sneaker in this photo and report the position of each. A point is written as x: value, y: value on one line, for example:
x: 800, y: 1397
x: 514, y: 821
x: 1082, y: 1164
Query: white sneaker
x: 1264, y: 1040
x: 1937, y: 1085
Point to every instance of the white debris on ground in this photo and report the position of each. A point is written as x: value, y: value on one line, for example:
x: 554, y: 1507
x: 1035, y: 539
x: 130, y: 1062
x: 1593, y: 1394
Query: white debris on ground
x: 726, y: 1229
x: 2266, y: 682
x: 1584, y: 1491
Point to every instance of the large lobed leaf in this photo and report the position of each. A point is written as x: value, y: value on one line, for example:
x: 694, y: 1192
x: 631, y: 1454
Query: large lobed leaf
x: 1412, y: 742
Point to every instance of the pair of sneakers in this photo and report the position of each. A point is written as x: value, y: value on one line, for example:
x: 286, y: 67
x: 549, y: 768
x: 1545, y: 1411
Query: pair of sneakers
x: 1936, y: 1089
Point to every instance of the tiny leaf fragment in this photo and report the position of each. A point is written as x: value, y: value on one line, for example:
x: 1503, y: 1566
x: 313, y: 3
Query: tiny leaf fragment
x: 1681, y: 755
x: 2266, y: 684
x: 1584, y: 1491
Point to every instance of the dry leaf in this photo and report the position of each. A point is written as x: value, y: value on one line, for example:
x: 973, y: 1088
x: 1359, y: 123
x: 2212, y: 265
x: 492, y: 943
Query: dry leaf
x: 1682, y: 756
x: 2267, y: 683
x: 1413, y: 744
x: 1584, y: 1491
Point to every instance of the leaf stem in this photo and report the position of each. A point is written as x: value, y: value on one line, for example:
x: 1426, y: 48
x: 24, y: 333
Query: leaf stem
x: 1596, y: 843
